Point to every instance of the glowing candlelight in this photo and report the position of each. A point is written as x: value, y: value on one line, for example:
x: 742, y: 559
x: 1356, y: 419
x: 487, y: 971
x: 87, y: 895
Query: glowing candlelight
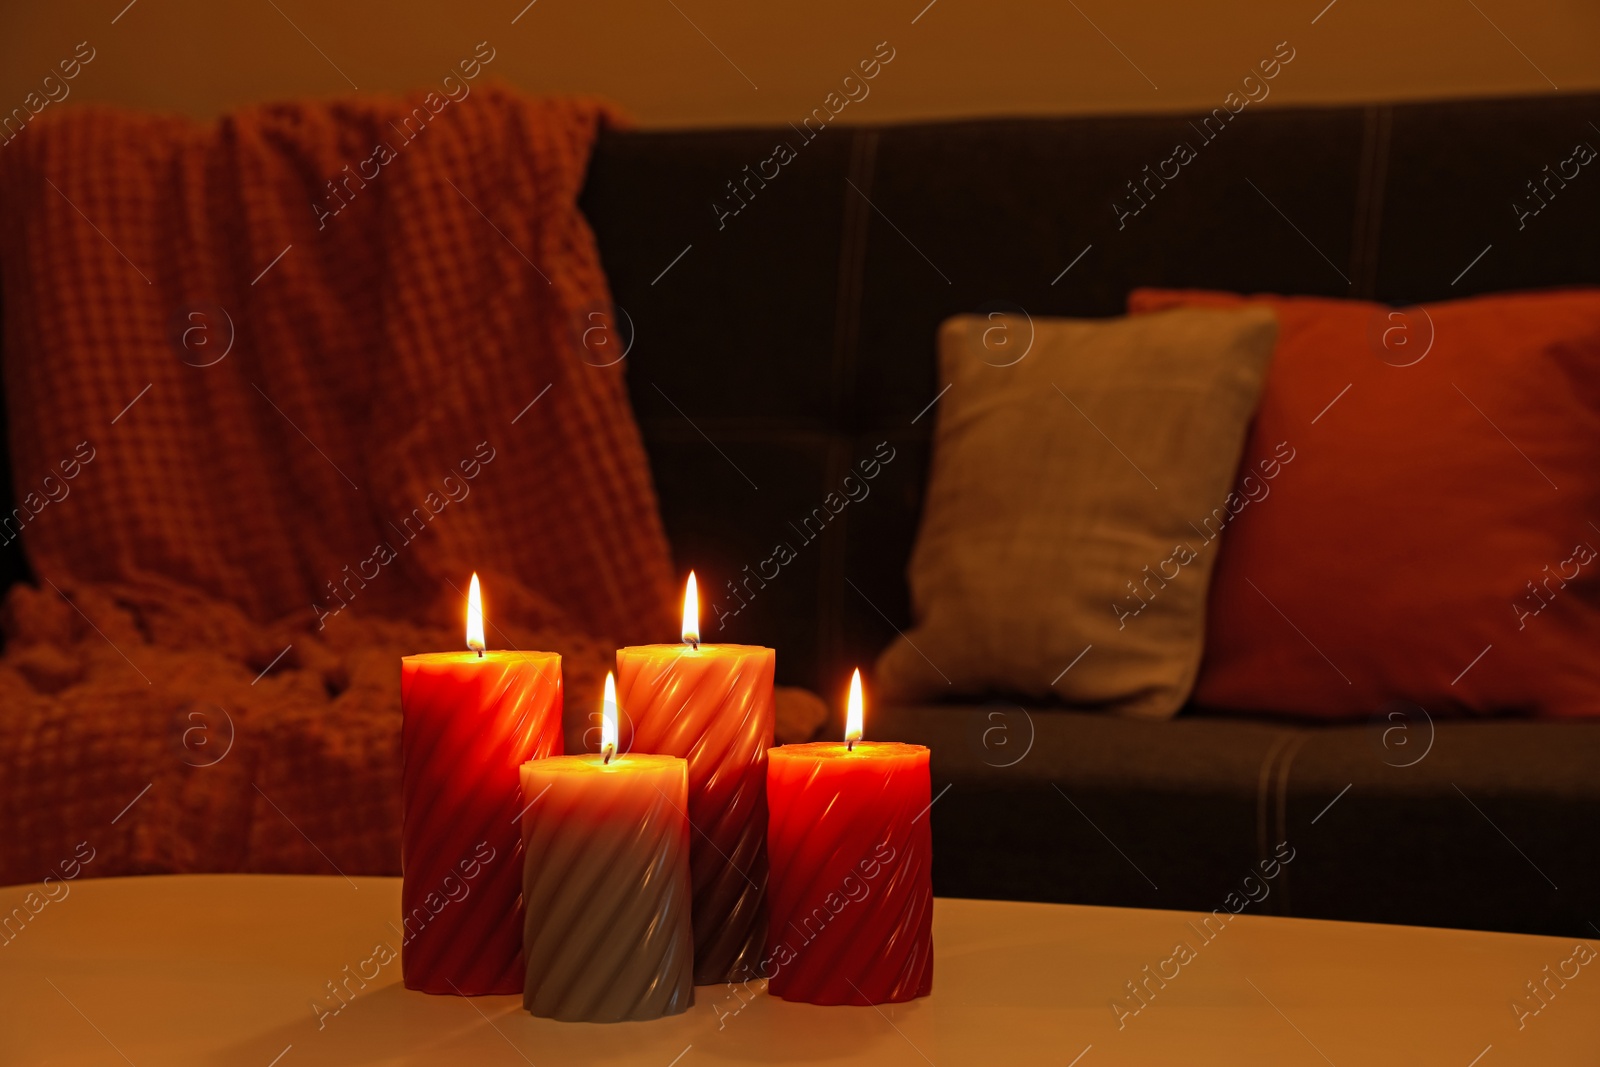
x: 608, y: 719
x: 691, y: 613
x: 852, y: 715
x: 475, y: 617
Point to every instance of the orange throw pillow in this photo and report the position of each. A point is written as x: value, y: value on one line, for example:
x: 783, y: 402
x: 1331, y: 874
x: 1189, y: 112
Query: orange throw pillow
x: 1433, y: 538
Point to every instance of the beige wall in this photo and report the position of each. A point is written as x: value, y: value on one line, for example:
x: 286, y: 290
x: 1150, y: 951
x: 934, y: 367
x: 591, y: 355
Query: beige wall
x: 772, y: 63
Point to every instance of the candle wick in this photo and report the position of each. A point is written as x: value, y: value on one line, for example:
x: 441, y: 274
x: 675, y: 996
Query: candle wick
x: 480, y: 653
x: 850, y: 745
x: 694, y: 644
x: 606, y: 757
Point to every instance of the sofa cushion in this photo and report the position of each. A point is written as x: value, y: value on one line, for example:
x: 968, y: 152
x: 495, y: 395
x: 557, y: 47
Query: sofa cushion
x: 1056, y: 553
x: 1434, y: 540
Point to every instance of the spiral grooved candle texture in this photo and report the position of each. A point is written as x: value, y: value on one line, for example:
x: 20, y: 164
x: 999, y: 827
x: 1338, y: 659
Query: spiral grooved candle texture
x: 469, y: 722
x: 712, y: 705
x: 851, y: 888
x: 606, y: 881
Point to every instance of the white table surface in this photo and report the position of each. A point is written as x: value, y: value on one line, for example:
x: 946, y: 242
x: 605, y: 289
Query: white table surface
x: 223, y: 969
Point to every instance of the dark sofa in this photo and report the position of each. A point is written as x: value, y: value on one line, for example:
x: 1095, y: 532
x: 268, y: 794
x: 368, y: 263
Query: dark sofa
x: 773, y: 348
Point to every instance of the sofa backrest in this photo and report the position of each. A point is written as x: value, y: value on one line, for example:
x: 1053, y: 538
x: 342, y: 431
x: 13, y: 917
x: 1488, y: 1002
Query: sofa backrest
x: 778, y: 291
x: 781, y: 289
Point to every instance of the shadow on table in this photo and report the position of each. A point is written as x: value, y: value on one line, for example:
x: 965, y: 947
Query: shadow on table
x: 395, y: 1025
x: 383, y: 1025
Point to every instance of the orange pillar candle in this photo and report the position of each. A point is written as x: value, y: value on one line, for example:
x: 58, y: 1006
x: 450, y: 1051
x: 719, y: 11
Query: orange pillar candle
x: 606, y: 881
x: 712, y: 705
x: 852, y: 856
x: 469, y: 721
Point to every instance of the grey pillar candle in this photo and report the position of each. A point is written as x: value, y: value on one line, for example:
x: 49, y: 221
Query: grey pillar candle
x: 606, y: 890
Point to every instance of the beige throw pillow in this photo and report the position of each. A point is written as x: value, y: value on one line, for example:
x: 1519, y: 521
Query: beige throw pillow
x: 1064, y: 546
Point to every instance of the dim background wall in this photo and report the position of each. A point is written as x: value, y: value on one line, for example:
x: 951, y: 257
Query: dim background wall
x: 722, y: 62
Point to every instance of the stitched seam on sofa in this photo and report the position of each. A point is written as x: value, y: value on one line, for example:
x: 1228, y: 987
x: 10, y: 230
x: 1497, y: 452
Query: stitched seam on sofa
x: 1378, y: 123
x: 854, y: 225
x: 856, y: 222
x: 1282, y: 907
x: 1264, y: 789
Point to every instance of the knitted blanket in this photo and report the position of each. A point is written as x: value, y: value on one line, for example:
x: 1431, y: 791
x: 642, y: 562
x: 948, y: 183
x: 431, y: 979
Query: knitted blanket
x: 276, y: 387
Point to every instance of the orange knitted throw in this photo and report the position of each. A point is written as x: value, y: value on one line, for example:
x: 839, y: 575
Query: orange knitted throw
x: 276, y: 387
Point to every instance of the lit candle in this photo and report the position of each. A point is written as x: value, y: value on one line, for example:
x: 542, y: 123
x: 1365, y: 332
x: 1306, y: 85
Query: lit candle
x: 469, y: 720
x: 606, y: 881
x: 851, y: 890
x: 712, y: 705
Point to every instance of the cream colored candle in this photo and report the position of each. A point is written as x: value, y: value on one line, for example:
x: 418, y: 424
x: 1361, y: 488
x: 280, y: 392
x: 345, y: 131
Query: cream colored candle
x: 606, y: 884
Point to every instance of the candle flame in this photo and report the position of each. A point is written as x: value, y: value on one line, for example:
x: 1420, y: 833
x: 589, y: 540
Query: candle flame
x: 691, y: 613
x: 475, y: 616
x: 852, y: 715
x: 608, y: 719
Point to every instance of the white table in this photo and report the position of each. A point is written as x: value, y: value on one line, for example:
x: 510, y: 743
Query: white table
x: 224, y: 970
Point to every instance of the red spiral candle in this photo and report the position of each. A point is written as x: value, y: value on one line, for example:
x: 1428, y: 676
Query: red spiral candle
x: 469, y: 721
x: 851, y: 891
x: 713, y: 706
